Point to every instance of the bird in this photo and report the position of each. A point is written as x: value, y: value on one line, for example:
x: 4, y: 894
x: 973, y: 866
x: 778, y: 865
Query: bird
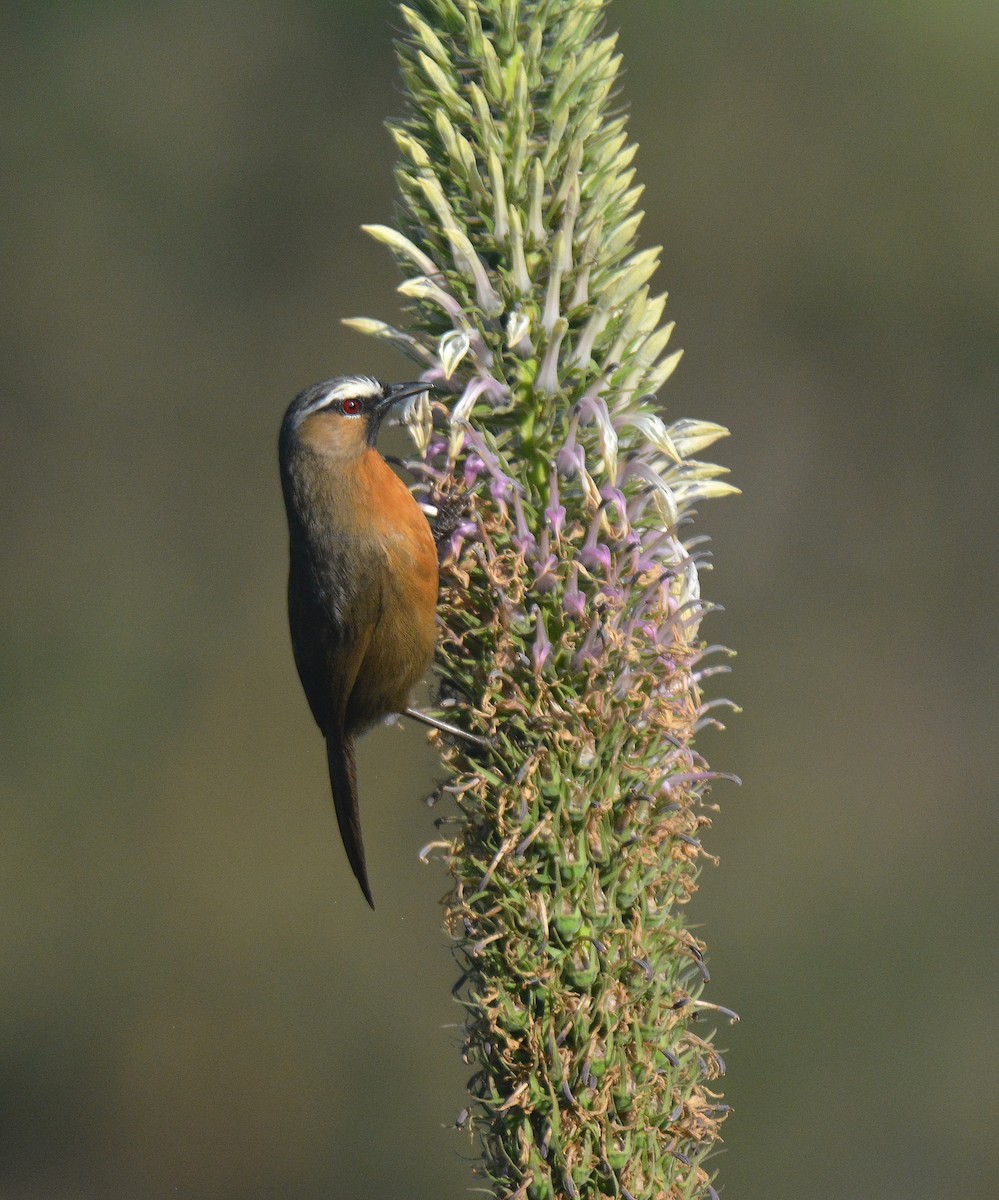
x: 362, y: 578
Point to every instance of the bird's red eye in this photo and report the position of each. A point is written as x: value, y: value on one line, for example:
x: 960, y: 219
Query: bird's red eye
x: 351, y: 406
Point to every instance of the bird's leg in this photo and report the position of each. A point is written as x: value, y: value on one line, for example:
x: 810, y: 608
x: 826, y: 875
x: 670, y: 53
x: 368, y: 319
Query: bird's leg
x: 415, y: 715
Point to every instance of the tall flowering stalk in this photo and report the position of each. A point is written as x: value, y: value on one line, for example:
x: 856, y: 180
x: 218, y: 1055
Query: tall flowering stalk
x: 570, y: 602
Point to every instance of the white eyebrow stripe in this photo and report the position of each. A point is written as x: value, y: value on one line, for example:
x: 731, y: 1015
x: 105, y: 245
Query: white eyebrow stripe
x: 361, y: 386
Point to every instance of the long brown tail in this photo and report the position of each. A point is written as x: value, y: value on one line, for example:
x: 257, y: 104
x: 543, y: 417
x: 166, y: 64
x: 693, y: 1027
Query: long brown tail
x: 343, y: 781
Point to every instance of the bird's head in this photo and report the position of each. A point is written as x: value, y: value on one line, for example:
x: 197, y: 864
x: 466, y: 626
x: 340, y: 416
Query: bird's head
x: 341, y: 417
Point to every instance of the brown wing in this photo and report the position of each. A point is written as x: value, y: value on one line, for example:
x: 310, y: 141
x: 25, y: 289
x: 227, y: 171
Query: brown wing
x: 328, y: 653
x: 331, y: 617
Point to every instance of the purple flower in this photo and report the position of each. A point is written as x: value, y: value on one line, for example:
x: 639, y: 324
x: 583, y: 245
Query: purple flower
x: 546, y: 573
x: 474, y: 466
x: 596, y: 556
x: 501, y: 490
x: 461, y: 534
x: 593, y: 554
x: 614, y: 496
x: 545, y: 565
x: 524, y: 540
x: 590, y: 651
x: 542, y: 648
x: 573, y: 600
x: 555, y: 512
x: 570, y: 460
x: 492, y: 466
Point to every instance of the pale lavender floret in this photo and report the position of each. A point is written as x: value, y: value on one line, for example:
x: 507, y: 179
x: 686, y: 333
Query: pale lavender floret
x: 555, y: 512
x: 435, y: 376
x: 631, y: 550
x: 651, y: 631
x: 637, y: 504
x: 590, y: 651
x: 490, y: 462
x: 426, y: 467
x: 495, y: 388
x: 480, y: 351
x: 680, y: 614
x: 574, y: 605
x: 463, y: 531
x: 639, y: 468
x: 645, y: 562
x: 660, y: 545
x: 588, y: 400
x: 595, y: 406
x: 573, y: 600
x: 483, y: 385
x: 474, y: 466
x: 546, y: 573
x: 593, y: 553
x: 545, y: 565
x: 639, y: 622
x: 433, y: 465
x: 596, y: 556
x: 501, y: 490
x: 523, y: 540
x: 570, y: 460
x: 612, y: 495
x: 555, y: 517
x: 541, y: 648
x: 655, y: 589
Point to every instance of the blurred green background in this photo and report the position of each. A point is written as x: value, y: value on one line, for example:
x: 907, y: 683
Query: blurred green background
x: 194, y: 999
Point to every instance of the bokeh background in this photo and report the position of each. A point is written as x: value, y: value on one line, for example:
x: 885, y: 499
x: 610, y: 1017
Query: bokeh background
x: 194, y: 1000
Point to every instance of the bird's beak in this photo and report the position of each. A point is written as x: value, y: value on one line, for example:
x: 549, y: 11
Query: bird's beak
x: 394, y: 392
